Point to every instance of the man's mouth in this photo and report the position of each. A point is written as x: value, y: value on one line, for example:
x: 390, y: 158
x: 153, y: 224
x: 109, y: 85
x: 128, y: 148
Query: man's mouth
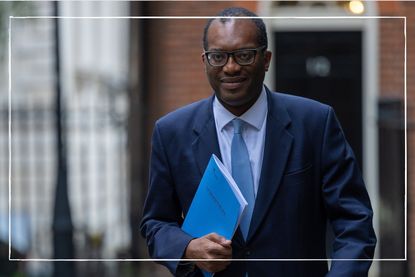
x: 232, y: 82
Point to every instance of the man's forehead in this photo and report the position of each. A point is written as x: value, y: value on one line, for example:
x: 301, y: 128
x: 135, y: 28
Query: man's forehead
x: 231, y: 34
x: 231, y: 26
x: 231, y: 22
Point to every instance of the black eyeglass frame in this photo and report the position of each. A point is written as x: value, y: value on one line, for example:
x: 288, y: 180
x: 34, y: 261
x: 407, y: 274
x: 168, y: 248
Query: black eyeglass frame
x: 232, y: 53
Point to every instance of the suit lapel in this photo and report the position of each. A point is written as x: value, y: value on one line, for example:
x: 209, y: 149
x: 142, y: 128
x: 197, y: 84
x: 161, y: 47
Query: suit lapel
x: 277, y: 148
x: 205, y: 141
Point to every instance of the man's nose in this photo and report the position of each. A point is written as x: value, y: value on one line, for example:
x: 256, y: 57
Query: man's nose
x: 231, y: 66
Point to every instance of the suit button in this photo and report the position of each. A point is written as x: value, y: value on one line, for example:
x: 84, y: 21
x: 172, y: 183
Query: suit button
x: 247, y: 253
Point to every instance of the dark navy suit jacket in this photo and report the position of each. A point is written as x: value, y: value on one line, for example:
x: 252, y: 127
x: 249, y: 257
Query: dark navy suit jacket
x: 309, y: 177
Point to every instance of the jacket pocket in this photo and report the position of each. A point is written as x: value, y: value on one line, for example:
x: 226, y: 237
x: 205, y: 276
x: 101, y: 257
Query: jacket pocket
x: 298, y: 176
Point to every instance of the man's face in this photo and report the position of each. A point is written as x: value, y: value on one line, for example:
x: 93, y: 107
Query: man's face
x: 237, y: 87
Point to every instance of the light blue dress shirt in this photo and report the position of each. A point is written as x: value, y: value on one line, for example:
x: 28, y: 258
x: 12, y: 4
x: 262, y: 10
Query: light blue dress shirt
x: 253, y: 134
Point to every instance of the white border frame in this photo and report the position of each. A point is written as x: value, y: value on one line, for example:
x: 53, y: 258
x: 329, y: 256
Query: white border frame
x: 209, y: 17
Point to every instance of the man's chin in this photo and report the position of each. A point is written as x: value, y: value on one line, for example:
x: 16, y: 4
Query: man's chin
x: 233, y: 99
x: 233, y: 103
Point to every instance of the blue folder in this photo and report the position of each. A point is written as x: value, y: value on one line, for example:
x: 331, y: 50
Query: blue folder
x: 217, y: 205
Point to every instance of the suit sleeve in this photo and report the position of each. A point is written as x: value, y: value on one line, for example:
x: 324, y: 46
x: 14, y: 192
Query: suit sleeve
x: 347, y: 204
x: 160, y: 224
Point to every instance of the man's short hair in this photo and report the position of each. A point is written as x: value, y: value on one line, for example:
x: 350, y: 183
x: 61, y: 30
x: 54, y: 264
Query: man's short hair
x: 236, y: 11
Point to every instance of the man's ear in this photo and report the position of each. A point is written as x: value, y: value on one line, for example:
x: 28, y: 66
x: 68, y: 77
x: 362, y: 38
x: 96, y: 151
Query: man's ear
x: 203, y: 56
x: 267, y: 59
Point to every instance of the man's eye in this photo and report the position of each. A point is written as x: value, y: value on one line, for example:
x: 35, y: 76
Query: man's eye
x: 217, y: 56
x: 244, y: 56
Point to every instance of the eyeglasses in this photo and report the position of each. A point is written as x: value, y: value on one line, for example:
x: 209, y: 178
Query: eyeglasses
x: 241, y: 57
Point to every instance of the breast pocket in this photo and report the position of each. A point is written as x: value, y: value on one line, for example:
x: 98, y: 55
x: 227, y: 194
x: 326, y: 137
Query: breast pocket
x: 298, y: 176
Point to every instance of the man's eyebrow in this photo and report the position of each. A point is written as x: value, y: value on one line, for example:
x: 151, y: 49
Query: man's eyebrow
x: 222, y: 50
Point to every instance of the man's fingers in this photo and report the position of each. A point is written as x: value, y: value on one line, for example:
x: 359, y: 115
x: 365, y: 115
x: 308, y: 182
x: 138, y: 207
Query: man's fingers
x: 214, y: 237
x: 226, y: 243
x: 219, y: 239
x: 218, y: 251
x: 211, y: 246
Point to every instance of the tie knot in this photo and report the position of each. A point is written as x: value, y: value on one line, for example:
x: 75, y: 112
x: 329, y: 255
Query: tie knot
x: 237, y: 125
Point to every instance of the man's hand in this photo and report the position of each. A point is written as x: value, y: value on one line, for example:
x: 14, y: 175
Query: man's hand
x: 211, y: 246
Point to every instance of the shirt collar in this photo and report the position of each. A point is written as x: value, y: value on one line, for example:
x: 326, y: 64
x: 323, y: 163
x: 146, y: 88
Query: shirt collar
x: 254, y: 116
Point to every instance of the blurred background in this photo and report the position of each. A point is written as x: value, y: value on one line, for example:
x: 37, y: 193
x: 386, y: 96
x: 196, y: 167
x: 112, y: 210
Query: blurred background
x: 85, y: 93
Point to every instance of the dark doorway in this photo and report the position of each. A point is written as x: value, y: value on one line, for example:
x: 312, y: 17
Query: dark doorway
x: 327, y: 67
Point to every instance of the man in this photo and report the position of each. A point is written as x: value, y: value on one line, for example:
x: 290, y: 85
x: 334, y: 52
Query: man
x: 301, y: 171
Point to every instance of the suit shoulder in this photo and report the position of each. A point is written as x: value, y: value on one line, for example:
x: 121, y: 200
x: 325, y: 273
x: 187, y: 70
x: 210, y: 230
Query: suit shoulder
x: 293, y: 101
x: 301, y: 106
x: 184, y: 115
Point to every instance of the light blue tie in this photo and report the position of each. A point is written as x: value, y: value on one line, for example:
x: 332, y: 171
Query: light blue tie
x: 242, y: 173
